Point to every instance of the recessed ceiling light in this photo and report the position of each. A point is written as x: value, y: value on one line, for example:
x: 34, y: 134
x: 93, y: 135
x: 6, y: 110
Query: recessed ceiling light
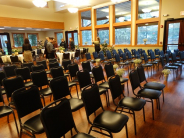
x: 62, y: 6
x: 21, y: 29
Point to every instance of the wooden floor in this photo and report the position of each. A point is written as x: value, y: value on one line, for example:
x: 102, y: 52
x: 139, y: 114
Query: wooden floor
x: 168, y: 123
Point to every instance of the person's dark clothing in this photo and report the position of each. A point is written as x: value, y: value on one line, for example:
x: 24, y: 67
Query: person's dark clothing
x: 50, y: 50
x: 45, y: 45
x: 9, y: 48
x: 26, y: 47
x: 72, y: 46
x: 63, y: 44
x: 97, y: 48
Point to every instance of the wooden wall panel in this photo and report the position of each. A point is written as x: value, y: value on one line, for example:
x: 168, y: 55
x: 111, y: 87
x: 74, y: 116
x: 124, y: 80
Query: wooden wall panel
x: 16, y: 22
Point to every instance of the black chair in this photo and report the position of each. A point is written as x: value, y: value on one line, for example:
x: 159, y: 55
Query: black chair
x: 73, y: 69
x: 53, y: 64
x: 144, y: 92
x: 60, y: 89
x: 6, y: 111
x: 29, y: 65
x: 52, y: 60
x: 27, y: 100
x: 65, y: 64
x: 66, y: 56
x: 25, y: 74
x: 10, y: 70
x: 88, y: 57
x: 150, y: 85
x: 110, y: 72
x: 44, y: 63
x: 37, y: 68
x: 2, y: 76
x: 174, y: 61
x: 12, y: 84
x: 15, y: 60
x: 181, y: 54
x: 86, y: 66
x: 108, y: 121
x: 129, y: 103
x: 40, y: 79
x: 54, y: 118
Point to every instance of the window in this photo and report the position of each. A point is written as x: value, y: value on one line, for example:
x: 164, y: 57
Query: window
x: 75, y: 38
x: 123, y: 12
x: 102, y: 15
x: 148, y: 32
x: 59, y: 36
x: 86, y: 18
x: 86, y: 37
x: 104, y: 35
x: 18, y: 39
x: 148, y: 9
x: 33, y: 38
x: 123, y: 35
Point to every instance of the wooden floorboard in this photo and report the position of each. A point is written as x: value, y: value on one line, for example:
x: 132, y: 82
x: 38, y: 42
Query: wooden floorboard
x: 168, y: 123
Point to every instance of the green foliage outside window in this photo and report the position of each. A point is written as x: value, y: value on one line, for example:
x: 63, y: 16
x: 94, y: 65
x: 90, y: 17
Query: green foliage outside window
x: 59, y: 37
x: 18, y: 39
x: 32, y: 39
x: 123, y: 35
x: 86, y: 37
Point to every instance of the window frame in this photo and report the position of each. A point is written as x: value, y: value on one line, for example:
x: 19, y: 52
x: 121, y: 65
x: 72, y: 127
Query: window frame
x: 33, y: 34
x: 14, y: 41
x: 55, y: 35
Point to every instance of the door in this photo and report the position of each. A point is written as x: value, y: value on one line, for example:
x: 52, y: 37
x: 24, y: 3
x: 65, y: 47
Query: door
x: 4, y: 37
x: 73, y: 35
x: 174, y: 35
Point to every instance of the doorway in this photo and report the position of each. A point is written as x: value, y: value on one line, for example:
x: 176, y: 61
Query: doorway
x: 174, y: 35
x: 73, y: 35
x: 4, y: 37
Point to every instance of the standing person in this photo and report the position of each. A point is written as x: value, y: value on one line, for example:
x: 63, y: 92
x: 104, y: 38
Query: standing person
x: 97, y: 45
x: 71, y: 44
x: 63, y: 44
x: 45, y: 45
x: 50, y: 48
x: 8, y: 48
x: 26, y: 50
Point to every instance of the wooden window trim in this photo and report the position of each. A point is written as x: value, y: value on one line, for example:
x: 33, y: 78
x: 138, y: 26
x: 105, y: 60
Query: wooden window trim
x: 14, y: 41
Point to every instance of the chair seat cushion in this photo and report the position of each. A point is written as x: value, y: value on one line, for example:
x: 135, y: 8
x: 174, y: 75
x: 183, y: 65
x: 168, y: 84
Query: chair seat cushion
x: 134, y: 104
x: 91, y: 76
x: 154, y: 85
x: 123, y: 63
x: 66, y: 74
x: 48, y: 71
x: 76, y: 104
x: 123, y: 80
x: 171, y: 67
x: 3, y: 91
x: 5, y: 110
x: 149, y: 93
x: 71, y: 84
x: 112, y: 121
x: 46, y: 91
x: 104, y: 85
x: 34, y: 124
x: 182, y: 62
x: 28, y: 83
x: 175, y: 64
x: 49, y: 79
x: 102, y: 90
x: 147, y: 65
x: 82, y: 135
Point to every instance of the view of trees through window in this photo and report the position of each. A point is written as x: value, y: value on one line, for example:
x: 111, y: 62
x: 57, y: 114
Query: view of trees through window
x: 86, y: 23
x: 149, y: 32
x: 86, y: 37
x: 104, y: 35
x: 59, y: 37
x: 123, y: 35
x: 76, y: 38
x: 86, y: 18
x: 18, y: 39
x: 33, y: 39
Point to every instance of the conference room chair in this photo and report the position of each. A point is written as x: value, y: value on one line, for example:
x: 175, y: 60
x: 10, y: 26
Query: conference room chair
x: 10, y: 85
x: 181, y: 54
x: 87, y: 66
x: 52, y: 60
x: 15, y: 60
x: 27, y: 100
x: 40, y: 79
x: 144, y: 92
x: 60, y: 89
x: 174, y: 61
x: 10, y: 70
x: 88, y: 57
x: 25, y: 74
x: 126, y: 103
x: 108, y: 121
x: 2, y: 76
x: 44, y: 63
x: 54, y: 118
x: 109, y: 56
x: 66, y: 56
x: 53, y: 65
x: 157, y: 53
x: 95, y: 55
x: 29, y: 65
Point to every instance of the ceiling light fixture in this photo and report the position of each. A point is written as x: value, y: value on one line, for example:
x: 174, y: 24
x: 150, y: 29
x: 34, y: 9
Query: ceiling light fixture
x: 40, y: 3
x: 115, y: 1
x: 121, y: 19
x: 73, y: 10
x: 21, y: 29
x: 146, y: 10
x: 107, y: 17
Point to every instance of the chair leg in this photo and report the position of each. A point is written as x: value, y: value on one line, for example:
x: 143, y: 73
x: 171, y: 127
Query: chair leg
x: 90, y: 129
x: 20, y: 132
x: 163, y: 94
x: 8, y: 118
x: 158, y: 103
x: 152, y: 109
x: 143, y: 114
x: 43, y: 100
x: 134, y: 122
x: 77, y: 91
x: 127, y: 87
x: 126, y: 131
x: 16, y: 123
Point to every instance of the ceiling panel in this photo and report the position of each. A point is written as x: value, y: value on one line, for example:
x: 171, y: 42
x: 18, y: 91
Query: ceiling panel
x: 18, y: 3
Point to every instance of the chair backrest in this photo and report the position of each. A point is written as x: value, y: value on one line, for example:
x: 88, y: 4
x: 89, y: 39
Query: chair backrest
x: 89, y: 95
x: 77, y: 53
x: 108, y: 54
x: 134, y: 79
x: 117, y: 57
x: 115, y: 86
x: 87, y: 50
x: 162, y: 61
x: 140, y: 51
x: 168, y: 52
x: 29, y: 65
x: 162, y: 53
x: 57, y: 118
x: 43, y: 62
x: 152, y: 55
x: 149, y: 51
x: 52, y: 60
x: 84, y: 50
x: 23, y: 72
x: 98, y: 73
x: 177, y: 52
x: 101, y: 56
x: 137, y: 55
x: 109, y: 70
x: 53, y: 65
x: 2, y: 76
x: 123, y: 55
x: 12, y: 84
x: 59, y: 87
x: 14, y: 58
x: 73, y: 69
x: 129, y: 55
x: 141, y: 73
x: 157, y: 52
x: 181, y: 53
x: 37, y: 68
x: 167, y: 58
x: 66, y: 55
x: 65, y: 64
x: 86, y: 66
x: 56, y: 72
x: 145, y: 57
x: 88, y: 56
x: 27, y: 100
x: 173, y: 55
x: 83, y: 78
x: 133, y: 51
x: 95, y: 55
x: 39, y: 78
x: 10, y: 70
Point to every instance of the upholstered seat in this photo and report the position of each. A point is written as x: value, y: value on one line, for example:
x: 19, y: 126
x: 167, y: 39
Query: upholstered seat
x: 76, y: 104
x: 34, y: 124
x: 3, y: 91
x: 49, y: 79
x: 149, y: 93
x: 132, y: 103
x: 102, y: 90
x: 123, y: 80
x: 28, y: 83
x: 71, y: 84
x: 5, y: 110
x: 110, y: 120
x: 48, y: 71
x: 46, y: 91
x: 82, y: 135
x: 104, y: 85
x: 154, y: 85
